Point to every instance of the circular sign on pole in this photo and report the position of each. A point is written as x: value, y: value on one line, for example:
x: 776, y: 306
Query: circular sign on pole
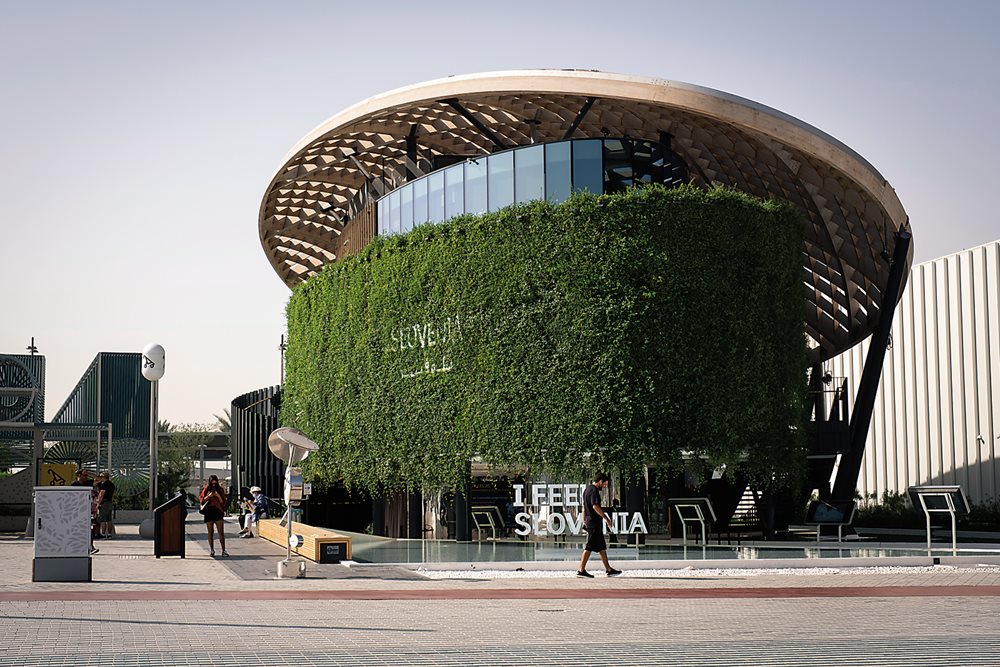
x: 18, y: 390
x: 152, y: 362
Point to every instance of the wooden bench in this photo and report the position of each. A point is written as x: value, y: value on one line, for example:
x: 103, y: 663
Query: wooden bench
x: 318, y: 544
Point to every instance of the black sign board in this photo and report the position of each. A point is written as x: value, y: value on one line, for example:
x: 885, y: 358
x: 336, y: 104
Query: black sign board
x: 686, y: 511
x: 936, y: 498
x: 831, y: 512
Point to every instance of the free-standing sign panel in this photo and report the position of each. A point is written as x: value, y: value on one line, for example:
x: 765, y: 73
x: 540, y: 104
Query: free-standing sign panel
x: 62, y: 534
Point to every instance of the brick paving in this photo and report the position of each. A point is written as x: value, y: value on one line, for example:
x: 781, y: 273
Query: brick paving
x: 162, y: 612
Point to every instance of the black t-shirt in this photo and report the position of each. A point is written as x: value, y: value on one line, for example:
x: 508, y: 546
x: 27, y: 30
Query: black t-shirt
x: 109, y: 490
x: 591, y: 497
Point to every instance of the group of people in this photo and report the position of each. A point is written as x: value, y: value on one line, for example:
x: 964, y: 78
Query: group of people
x: 102, y: 497
x: 213, y: 499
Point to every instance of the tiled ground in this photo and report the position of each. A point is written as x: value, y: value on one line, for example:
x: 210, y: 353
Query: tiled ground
x: 838, y: 631
x: 919, y: 616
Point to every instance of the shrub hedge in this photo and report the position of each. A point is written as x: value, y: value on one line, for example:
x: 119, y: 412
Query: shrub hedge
x: 611, y: 331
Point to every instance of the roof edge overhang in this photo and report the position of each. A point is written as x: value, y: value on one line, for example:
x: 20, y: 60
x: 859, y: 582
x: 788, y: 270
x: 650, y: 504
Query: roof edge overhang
x: 715, y: 104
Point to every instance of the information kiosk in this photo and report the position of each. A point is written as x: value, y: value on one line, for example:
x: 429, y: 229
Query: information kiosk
x: 946, y: 499
x: 837, y: 513
x: 694, y: 511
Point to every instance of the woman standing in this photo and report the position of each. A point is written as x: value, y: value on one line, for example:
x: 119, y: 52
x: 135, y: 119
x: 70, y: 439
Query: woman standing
x: 213, y: 501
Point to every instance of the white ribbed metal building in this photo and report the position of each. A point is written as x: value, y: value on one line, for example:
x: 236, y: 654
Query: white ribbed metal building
x: 937, y: 414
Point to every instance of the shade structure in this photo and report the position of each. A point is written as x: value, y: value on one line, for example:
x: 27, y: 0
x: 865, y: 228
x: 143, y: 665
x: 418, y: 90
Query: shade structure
x: 330, y: 180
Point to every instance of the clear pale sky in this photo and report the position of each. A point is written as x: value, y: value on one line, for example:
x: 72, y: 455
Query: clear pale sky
x: 138, y: 138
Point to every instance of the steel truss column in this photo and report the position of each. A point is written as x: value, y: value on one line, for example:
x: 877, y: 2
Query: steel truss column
x: 850, y: 463
x: 497, y: 142
x: 579, y: 118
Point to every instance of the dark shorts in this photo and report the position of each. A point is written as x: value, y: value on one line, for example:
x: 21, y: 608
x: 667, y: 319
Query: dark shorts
x: 212, y: 514
x: 595, y: 539
x: 104, y: 512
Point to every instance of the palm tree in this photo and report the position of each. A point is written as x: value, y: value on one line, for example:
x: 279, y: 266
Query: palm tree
x: 224, y: 422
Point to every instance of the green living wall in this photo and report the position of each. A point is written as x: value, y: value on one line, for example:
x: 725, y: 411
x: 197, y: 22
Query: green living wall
x: 612, y: 331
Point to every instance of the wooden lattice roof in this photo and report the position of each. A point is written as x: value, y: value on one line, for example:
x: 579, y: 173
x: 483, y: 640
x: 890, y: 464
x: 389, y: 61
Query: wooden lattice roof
x: 853, y: 212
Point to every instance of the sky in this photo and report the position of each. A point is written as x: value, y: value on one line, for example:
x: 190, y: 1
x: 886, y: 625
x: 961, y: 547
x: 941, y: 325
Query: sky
x: 139, y: 137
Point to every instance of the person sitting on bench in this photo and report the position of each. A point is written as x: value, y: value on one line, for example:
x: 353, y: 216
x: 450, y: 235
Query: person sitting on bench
x: 258, y: 512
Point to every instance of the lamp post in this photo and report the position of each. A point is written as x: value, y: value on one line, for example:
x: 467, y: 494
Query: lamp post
x: 153, y: 359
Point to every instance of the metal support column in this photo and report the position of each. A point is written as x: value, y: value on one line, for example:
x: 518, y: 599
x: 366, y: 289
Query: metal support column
x: 154, y: 463
x: 414, y: 514
x: 463, y: 530
x: 378, y: 516
x: 37, y: 453
x: 850, y: 463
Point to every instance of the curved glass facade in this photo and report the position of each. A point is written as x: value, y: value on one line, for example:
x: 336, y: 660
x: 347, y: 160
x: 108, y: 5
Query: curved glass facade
x: 544, y: 171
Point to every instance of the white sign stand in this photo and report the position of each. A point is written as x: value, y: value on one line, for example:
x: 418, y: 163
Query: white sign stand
x: 949, y: 509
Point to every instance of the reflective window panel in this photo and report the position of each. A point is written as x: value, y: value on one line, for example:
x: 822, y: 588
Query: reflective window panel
x: 435, y: 197
x: 392, y: 219
x: 529, y: 174
x: 454, y: 191
x: 419, y: 201
x: 588, y: 174
x: 501, y: 180
x: 557, y: 171
x: 475, y: 186
x: 406, y: 209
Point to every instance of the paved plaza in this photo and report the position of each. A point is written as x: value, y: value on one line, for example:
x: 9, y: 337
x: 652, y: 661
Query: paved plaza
x: 140, y: 610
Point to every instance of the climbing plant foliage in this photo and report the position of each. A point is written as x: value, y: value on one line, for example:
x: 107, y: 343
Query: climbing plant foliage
x: 651, y: 327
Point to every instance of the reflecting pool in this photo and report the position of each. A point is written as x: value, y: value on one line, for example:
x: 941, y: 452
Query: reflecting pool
x: 367, y: 549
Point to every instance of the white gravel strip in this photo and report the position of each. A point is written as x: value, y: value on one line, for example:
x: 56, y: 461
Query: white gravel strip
x: 697, y: 572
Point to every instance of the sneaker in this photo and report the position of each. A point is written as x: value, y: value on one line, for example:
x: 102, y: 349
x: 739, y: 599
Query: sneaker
x: 225, y: 553
x: 246, y: 536
x: 613, y: 572
x: 584, y: 574
x: 93, y: 550
x: 212, y: 552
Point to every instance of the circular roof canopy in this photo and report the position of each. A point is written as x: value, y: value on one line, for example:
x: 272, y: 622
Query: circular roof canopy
x: 852, y: 212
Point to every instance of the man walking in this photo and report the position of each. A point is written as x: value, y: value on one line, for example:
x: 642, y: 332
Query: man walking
x: 592, y: 522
